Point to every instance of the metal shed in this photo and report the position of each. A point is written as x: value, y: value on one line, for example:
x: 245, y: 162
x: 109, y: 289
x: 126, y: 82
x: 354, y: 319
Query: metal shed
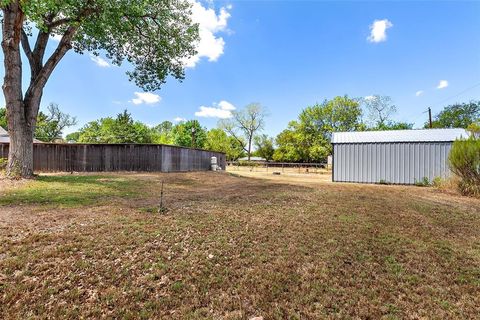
x: 396, y: 156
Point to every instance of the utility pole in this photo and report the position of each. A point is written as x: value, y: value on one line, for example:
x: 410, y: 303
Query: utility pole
x: 430, y: 117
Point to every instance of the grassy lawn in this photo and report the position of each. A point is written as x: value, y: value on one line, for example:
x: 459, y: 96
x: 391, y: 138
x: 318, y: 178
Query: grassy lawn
x: 233, y: 247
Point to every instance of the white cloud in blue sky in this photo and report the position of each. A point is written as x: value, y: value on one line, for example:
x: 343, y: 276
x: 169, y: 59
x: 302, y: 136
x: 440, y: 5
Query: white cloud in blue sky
x: 278, y: 57
x: 99, y: 61
x: 210, y: 46
x: 221, y: 110
x: 378, y: 30
x: 442, y: 84
x: 145, y: 98
x: 419, y: 93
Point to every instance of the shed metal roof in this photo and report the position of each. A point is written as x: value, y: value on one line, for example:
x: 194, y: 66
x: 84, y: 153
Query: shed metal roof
x: 3, y: 132
x: 420, y: 135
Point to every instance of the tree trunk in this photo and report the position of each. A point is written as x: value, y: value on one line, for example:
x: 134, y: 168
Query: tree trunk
x: 249, y: 147
x: 22, y: 110
x: 20, y: 158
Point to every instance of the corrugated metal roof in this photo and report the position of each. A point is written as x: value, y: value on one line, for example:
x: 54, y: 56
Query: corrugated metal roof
x: 3, y: 132
x: 420, y: 135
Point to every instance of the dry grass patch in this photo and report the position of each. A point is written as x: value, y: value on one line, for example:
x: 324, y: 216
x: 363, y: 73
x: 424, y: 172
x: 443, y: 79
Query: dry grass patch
x: 233, y: 248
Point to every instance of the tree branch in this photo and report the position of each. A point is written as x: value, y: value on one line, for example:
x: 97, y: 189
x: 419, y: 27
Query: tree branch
x: 26, y: 46
x: 35, y: 89
x: 242, y: 143
x: 40, y: 46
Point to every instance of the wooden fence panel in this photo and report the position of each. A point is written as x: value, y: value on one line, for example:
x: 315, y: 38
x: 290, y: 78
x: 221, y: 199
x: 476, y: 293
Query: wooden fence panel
x: 53, y: 157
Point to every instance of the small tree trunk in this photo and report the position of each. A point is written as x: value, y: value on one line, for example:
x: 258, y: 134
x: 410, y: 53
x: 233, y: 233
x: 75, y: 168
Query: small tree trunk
x: 249, y: 147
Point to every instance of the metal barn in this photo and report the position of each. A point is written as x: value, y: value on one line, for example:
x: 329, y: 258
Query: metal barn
x: 397, y: 156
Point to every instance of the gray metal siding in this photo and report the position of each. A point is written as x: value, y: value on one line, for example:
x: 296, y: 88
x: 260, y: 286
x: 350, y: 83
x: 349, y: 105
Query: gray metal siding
x: 399, y: 162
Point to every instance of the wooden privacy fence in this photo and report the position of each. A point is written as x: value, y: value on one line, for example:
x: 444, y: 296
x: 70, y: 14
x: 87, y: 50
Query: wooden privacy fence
x: 118, y: 157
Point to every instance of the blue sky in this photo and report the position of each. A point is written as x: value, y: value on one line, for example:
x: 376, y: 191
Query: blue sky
x: 288, y: 55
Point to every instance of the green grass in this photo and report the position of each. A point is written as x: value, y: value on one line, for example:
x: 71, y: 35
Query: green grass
x: 71, y: 190
x: 234, y: 248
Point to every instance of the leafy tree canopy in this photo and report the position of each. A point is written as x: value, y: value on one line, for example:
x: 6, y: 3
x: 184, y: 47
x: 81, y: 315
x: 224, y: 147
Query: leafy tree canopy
x: 392, y: 125
x: 190, y: 134
x: 459, y: 115
x: 264, y: 146
x: 218, y: 140
x: 308, y: 138
x: 163, y: 133
x: 122, y: 129
x: 156, y: 37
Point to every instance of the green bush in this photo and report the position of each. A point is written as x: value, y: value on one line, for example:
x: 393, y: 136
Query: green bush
x: 437, y: 182
x: 3, y: 164
x: 425, y: 182
x: 464, y: 161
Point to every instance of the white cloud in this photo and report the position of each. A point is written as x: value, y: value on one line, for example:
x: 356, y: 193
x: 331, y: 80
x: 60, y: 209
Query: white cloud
x: 442, y: 84
x: 225, y: 105
x: 222, y: 110
x: 378, y: 30
x: 99, y: 61
x: 419, y: 93
x: 369, y: 98
x: 179, y: 119
x: 146, y: 97
x: 210, y: 23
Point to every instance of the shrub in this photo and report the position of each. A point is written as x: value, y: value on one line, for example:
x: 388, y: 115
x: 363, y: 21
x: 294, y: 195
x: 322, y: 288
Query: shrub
x: 3, y: 164
x: 438, y: 182
x: 464, y: 160
x: 425, y: 182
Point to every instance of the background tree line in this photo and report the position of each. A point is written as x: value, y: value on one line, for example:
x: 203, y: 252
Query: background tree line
x: 306, y: 139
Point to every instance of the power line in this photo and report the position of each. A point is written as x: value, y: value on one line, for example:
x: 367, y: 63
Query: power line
x: 429, y: 109
x: 458, y: 94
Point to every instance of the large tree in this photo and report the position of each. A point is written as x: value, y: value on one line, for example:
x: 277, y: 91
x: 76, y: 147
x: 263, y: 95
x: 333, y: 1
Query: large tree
x: 245, y: 124
x: 155, y: 36
x: 459, y: 115
x: 308, y: 138
x: 379, y: 109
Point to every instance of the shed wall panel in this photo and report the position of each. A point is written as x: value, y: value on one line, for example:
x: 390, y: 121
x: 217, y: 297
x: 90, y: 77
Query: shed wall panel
x: 399, y: 163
